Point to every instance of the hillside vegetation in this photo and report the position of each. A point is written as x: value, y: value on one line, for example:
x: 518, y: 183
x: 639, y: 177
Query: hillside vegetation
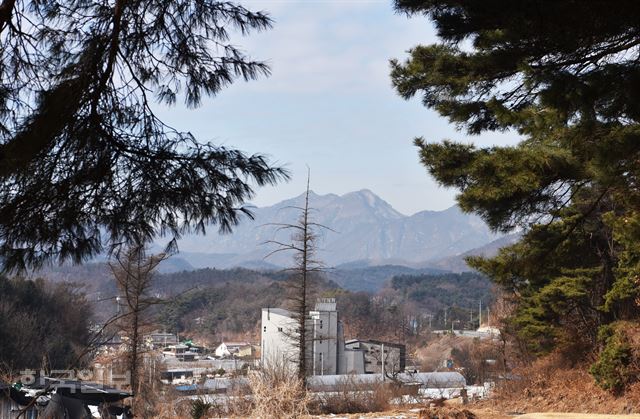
x: 225, y: 303
x: 42, y: 324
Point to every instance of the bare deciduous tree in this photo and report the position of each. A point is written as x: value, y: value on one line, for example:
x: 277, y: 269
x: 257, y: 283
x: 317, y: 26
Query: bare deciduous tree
x: 133, y: 271
x: 303, y: 246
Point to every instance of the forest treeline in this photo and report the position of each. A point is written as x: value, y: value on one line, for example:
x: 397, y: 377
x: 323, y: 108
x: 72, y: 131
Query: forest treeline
x: 42, y: 324
x: 221, y: 304
x: 214, y: 305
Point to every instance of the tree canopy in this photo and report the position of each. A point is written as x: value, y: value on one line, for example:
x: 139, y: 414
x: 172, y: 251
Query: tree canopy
x: 42, y: 324
x: 85, y: 163
x: 564, y: 75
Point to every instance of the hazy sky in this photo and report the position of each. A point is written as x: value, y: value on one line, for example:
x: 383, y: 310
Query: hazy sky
x: 329, y: 104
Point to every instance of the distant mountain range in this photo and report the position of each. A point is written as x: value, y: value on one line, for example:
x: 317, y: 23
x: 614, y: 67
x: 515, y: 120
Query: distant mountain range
x: 365, y: 231
x: 457, y: 263
x: 369, y: 243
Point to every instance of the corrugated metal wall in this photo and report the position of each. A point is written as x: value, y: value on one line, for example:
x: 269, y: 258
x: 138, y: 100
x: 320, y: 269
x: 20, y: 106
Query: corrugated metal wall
x: 10, y: 410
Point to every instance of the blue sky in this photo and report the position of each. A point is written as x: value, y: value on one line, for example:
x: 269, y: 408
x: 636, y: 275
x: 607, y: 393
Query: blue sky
x: 329, y: 104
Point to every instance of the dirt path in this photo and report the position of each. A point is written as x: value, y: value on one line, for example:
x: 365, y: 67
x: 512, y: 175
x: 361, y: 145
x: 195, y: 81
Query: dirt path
x: 575, y: 416
x: 480, y: 413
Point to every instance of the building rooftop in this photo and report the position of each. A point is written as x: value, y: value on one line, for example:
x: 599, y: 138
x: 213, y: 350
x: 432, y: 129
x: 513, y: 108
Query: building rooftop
x: 224, y: 383
x: 177, y: 346
x: 375, y: 342
x: 236, y: 344
x: 280, y: 311
x: 426, y: 379
x: 325, y: 304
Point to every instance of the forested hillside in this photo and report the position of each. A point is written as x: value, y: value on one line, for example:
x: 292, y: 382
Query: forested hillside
x: 381, y: 301
x: 372, y: 278
x: 459, y: 293
x: 42, y: 323
x: 221, y: 304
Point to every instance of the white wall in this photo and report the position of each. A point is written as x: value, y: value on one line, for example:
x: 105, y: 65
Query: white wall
x: 278, y: 349
x: 324, y: 341
x: 222, y: 351
x: 325, y: 349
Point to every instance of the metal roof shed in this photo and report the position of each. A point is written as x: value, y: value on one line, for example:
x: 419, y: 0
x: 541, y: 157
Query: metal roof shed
x: 424, y: 379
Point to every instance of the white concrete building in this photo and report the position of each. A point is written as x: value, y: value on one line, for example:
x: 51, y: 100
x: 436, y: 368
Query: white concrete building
x: 325, y: 338
x: 326, y: 351
x: 278, y: 349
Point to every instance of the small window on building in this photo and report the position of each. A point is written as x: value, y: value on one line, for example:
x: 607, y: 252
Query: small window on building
x: 264, y: 329
x: 320, y: 324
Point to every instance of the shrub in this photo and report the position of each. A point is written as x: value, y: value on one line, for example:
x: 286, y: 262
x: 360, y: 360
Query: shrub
x: 277, y: 394
x: 356, y: 398
x: 199, y: 409
x: 613, y: 371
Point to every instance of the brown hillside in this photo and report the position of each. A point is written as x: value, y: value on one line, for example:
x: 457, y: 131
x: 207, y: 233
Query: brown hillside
x: 548, y: 387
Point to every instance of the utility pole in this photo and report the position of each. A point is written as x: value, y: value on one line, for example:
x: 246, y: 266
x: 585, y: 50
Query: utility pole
x: 445, y: 317
x: 488, y: 317
x: 383, y: 360
x: 480, y: 315
x: 313, y: 349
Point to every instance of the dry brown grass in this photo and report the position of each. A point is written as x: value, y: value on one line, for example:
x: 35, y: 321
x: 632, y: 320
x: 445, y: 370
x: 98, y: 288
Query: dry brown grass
x: 446, y: 413
x: 172, y: 409
x: 275, y: 394
x: 550, y: 385
x: 349, y: 397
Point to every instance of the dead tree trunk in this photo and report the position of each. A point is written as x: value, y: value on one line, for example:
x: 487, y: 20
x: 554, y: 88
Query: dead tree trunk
x: 303, y: 246
x: 133, y: 272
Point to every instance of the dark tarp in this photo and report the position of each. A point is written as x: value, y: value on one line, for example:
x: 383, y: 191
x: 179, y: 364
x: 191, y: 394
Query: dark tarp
x: 90, y: 393
x: 60, y: 407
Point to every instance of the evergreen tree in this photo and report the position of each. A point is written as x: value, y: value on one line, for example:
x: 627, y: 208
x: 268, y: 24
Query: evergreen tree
x: 564, y: 75
x: 83, y: 156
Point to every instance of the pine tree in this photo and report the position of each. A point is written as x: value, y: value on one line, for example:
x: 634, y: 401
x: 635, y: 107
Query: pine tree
x: 85, y: 163
x: 564, y: 76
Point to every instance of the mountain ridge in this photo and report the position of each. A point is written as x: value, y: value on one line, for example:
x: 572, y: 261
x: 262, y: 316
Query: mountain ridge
x: 364, y: 227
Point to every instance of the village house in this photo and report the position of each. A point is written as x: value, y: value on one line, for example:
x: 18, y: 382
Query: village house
x: 175, y: 349
x: 177, y: 376
x: 235, y: 349
x: 159, y: 339
x: 180, y: 352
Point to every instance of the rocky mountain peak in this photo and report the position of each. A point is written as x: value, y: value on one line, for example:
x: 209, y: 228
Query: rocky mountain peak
x: 364, y: 227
